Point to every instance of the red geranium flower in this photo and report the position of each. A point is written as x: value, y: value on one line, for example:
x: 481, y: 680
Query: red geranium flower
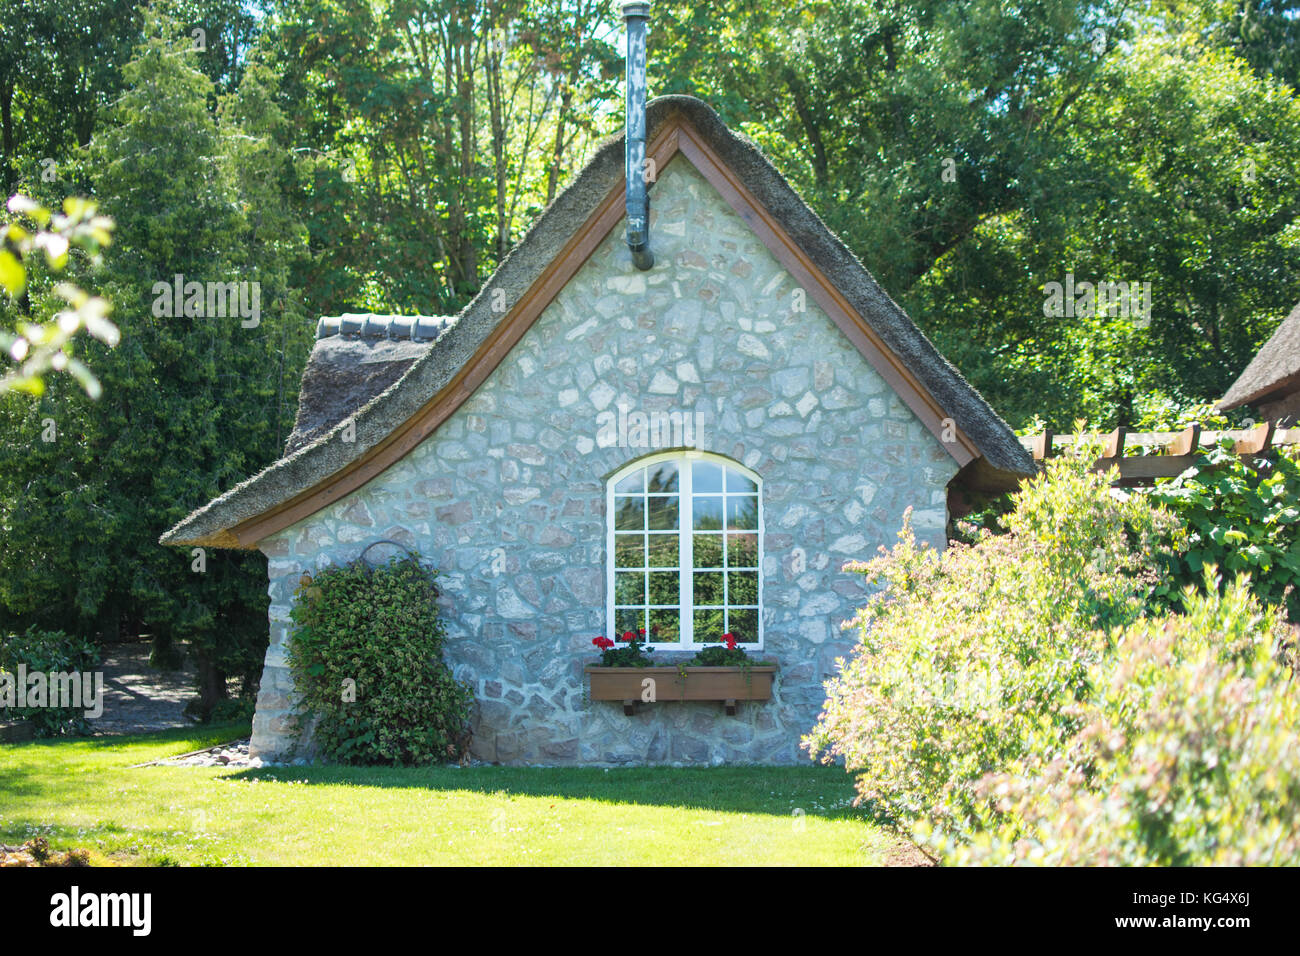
x: 730, y: 640
x: 629, y: 636
x: 603, y: 642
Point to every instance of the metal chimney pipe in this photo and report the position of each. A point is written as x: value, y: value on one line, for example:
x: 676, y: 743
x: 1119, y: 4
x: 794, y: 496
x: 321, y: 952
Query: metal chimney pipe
x: 636, y: 14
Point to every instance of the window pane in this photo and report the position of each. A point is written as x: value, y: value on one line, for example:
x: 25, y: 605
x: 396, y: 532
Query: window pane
x: 627, y: 619
x: 632, y: 484
x: 661, y: 477
x: 708, y: 626
x: 629, y: 587
x: 708, y: 512
x: 664, y: 588
x: 742, y: 513
x: 708, y: 588
x: 708, y: 550
x: 742, y: 587
x: 663, y: 551
x: 629, y: 551
x: 722, y: 516
x: 629, y: 514
x: 738, y: 482
x: 744, y: 625
x: 707, y: 478
x: 663, y: 513
x: 742, y: 550
x: 665, y: 624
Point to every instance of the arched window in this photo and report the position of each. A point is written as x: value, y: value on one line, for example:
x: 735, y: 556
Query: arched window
x: 685, y: 545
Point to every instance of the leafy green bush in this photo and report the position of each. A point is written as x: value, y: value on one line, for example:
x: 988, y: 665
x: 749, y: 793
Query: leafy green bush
x: 1010, y: 696
x: 233, y: 708
x: 367, y: 659
x: 972, y: 660
x: 1185, y: 755
x: 1241, y: 516
x: 49, y: 652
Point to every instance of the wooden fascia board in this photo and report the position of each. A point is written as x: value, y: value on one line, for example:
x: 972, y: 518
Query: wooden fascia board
x: 677, y: 135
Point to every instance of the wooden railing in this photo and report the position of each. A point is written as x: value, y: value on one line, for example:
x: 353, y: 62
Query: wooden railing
x: 1162, y: 454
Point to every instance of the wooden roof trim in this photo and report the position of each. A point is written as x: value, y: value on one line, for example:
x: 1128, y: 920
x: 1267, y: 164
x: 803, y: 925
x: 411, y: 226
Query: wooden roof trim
x: 675, y: 136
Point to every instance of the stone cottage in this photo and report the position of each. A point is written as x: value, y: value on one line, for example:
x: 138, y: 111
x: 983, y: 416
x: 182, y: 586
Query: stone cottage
x: 597, y: 443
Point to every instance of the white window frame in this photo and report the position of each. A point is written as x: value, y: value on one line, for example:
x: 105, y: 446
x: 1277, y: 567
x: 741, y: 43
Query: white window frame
x: 685, y: 544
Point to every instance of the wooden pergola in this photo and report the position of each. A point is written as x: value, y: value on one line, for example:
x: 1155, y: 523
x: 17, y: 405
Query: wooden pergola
x: 1141, y: 457
x: 1162, y: 454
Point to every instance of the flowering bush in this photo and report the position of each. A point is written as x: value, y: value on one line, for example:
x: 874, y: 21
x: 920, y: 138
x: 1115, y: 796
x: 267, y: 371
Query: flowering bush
x: 1012, y: 700
x: 633, y: 653
x: 1185, y: 754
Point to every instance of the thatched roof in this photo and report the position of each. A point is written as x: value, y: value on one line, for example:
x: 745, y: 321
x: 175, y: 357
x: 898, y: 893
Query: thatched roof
x: 1274, y: 370
x: 355, y: 359
x: 344, y: 374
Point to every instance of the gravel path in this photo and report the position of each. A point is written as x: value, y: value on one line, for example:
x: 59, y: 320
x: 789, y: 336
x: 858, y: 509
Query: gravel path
x: 137, y: 698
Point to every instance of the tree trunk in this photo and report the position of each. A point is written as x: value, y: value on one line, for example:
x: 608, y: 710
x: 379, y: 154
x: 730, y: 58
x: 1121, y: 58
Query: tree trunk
x: 212, y: 686
x: 7, y: 133
x: 500, y: 161
x: 465, y: 94
x: 557, y: 153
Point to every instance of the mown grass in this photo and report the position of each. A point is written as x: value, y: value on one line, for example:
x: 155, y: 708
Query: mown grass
x: 85, y: 793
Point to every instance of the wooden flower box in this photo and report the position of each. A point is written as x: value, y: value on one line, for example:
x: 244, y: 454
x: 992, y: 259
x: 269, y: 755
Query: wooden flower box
x: 725, y: 684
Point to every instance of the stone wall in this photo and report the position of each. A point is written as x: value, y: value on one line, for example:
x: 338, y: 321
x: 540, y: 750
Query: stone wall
x: 507, y: 498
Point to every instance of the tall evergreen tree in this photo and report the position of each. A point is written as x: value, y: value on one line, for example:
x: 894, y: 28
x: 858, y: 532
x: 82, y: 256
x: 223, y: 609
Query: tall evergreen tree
x: 193, y: 401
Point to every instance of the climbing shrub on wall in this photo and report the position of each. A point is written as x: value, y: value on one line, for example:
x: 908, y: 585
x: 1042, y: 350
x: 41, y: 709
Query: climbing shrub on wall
x: 366, y: 655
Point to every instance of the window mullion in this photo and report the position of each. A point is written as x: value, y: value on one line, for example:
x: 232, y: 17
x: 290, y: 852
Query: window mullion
x: 645, y: 554
x: 686, y: 551
x: 609, y: 558
x: 726, y: 563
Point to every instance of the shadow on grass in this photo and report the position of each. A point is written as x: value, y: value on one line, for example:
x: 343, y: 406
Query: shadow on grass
x: 819, y: 790
x: 218, y: 733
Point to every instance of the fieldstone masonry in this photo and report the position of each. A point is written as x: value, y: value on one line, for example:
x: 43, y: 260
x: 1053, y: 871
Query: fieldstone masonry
x: 507, y: 498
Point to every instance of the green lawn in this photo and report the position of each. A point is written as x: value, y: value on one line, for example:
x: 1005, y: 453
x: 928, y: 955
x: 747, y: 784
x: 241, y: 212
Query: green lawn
x: 84, y: 793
